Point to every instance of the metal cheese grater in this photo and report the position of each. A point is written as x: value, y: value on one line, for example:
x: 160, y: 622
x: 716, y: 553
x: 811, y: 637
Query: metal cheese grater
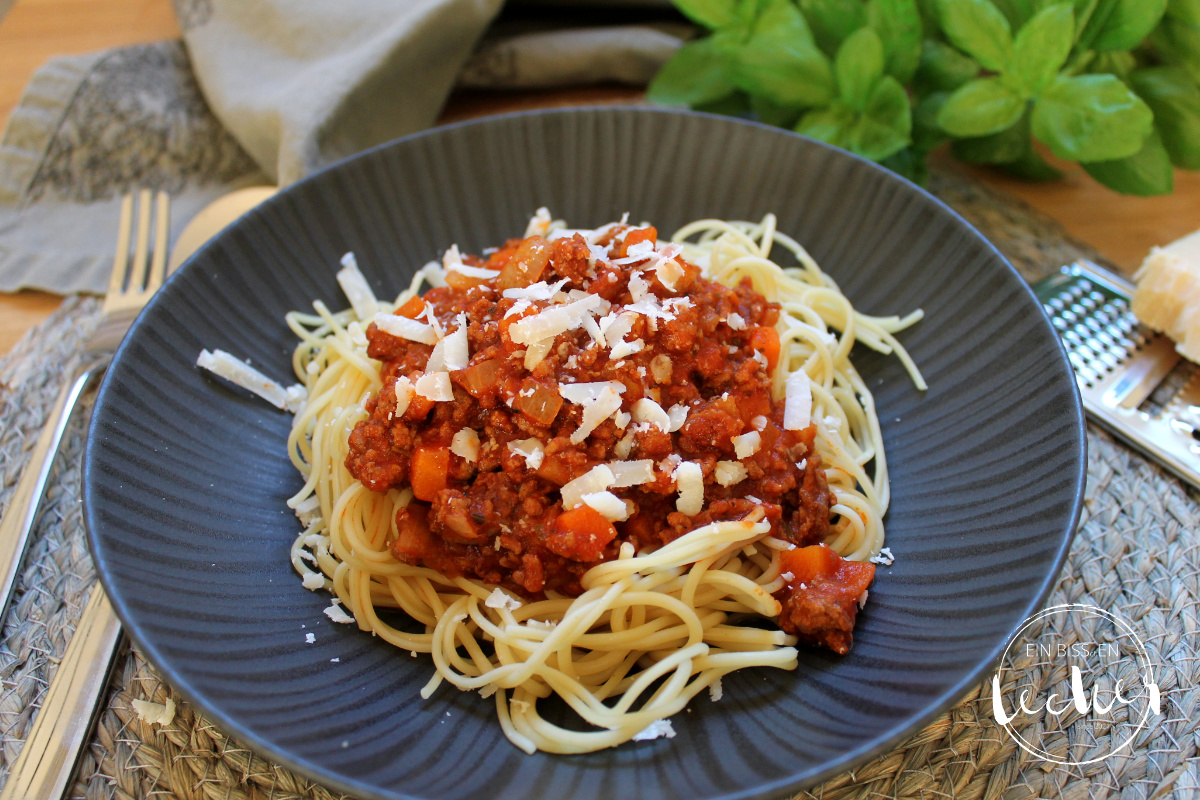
x: 1119, y: 363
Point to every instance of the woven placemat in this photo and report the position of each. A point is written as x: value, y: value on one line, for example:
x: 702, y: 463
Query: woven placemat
x: 1136, y: 553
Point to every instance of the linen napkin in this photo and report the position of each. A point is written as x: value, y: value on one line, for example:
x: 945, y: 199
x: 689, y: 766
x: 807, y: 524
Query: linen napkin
x: 268, y: 91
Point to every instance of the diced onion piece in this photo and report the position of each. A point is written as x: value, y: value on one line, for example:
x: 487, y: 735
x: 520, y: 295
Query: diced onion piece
x: 678, y: 415
x: 747, y: 444
x: 611, y: 507
x: 404, y: 394
x: 478, y: 379
x: 597, y: 479
x: 595, y: 412
x: 405, y: 328
x: 536, y: 352
x: 797, y: 408
x: 218, y: 362
x: 465, y: 445
x: 689, y: 480
x: 538, y: 402
x: 556, y: 319
x: 646, y: 410
x: 356, y: 288
x: 728, y: 473
x: 435, y: 386
x: 631, y: 473
x: 526, y: 265
x: 530, y: 449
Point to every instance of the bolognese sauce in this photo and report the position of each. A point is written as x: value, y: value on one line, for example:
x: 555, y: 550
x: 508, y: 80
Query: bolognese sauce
x: 599, y: 392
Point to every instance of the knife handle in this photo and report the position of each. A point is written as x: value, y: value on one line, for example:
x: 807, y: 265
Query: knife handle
x: 22, y: 511
x: 47, y: 760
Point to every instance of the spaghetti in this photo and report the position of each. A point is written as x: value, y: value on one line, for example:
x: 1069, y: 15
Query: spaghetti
x: 642, y: 624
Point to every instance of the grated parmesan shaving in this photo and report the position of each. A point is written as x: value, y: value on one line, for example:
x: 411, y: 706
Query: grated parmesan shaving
x: 356, y: 288
x: 335, y: 613
x: 624, y: 348
x: 885, y: 557
x: 222, y: 364
x: 500, y: 599
x: 530, y: 449
x: 648, y: 411
x: 677, y: 414
x: 597, y: 479
x: 536, y: 291
x: 313, y: 581
x: 556, y: 319
x: 658, y: 728
x: 405, y: 328
x: 736, y: 322
x: 451, y: 352
x: 404, y: 394
x: 465, y: 445
x: 729, y: 473
x: 631, y: 473
x: 539, y: 223
x: 747, y: 444
x: 155, y: 713
x: 435, y: 386
x: 797, y: 408
x: 308, y: 509
x: 689, y: 480
x: 611, y: 507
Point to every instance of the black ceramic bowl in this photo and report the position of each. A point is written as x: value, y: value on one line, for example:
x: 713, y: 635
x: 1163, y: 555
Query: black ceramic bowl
x: 185, y: 478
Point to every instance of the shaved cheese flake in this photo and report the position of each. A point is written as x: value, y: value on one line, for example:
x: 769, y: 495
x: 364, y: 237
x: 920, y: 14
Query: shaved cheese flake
x: 639, y: 287
x: 539, y: 223
x: 611, y: 507
x: 646, y: 410
x: 728, y: 473
x: 296, y: 396
x: 356, y: 288
x: 465, y: 445
x: 597, y: 479
x: 677, y: 415
x: 797, y: 409
x: 451, y: 352
x: 405, y: 328
x: 668, y: 270
x: 747, y: 444
x: 580, y: 393
x: 715, y: 691
x: 614, y: 326
x: 554, y: 320
x: 536, y: 352
x: 452, y: 261
x: 335, y: 613
x: 501, y: 599
x: 517, y: 308
x: 608, y: 403
x: 736, y: 321
x: 155, y: 713
x: 593, y: 329
x: 662, y: 368
x: 435, y: 386
x: 621, y: 420
x: 631, y: 473
x: 536, y: 291
x: 658, y: 729
x: 308, y: 509
x: 313, y: 581
x: 639, y: 251
x: 759, y: 422
x: 404, y: 394
x: 624, y: 447
x: 220, y: 363
x: 530, y: 449
x: 689, y: 480
x: 624, y: 348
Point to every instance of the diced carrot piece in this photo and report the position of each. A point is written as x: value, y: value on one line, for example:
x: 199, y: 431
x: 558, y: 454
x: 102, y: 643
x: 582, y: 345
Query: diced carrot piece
x: 581, y: 534
x: 430, y: 471
x: 637, y: 235
x: 809, y: 563
x: 754, y: 405
x: 413, y: 307
x: 766, y: 341
x: 855, y: 576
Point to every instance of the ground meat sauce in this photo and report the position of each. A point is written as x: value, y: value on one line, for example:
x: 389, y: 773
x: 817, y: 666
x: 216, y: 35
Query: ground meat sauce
x: 500, y: 520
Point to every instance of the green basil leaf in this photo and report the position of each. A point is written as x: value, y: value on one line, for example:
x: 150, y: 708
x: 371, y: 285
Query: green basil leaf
x: 1178, y: 43
x: 859, y: 65
x: 908, y: 163
x: 1114, y: 62
x: 979, y: 108
x: 999, y: 148
x: 898, y: 23
x: 926, y: 133
x: 885, y: 125
x: 1091, y: 118
x: 1015, y: 11
x: 1175, y: 101
x: 709, y: 13
x: 1091, y: 20
x: 1146, y: 172
x: 833, y: 20
x: 698, y: 73
x: 731, y: 105
x: 1042, y: 47
x: 1128, y: 24
x: 772, y: 114
x: 943, y: 69
x: 1186, y: 11
x: 831, y: 125
x: 929, y: 16
x: 977, y: 27
x: 1031, y: 167
x: 782, y: 63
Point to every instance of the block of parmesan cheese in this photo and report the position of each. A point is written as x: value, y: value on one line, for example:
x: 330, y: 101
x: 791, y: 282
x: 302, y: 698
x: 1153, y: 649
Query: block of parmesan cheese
x: 1168, y: 293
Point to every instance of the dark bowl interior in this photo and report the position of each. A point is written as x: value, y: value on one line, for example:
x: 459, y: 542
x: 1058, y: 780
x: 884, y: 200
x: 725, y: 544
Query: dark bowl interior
x: 185, y: 478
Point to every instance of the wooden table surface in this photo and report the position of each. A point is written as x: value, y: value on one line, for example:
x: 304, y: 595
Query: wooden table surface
x: 1122, y: 228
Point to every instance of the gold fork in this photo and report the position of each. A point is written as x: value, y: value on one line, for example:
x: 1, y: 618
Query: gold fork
x: 46, y: 760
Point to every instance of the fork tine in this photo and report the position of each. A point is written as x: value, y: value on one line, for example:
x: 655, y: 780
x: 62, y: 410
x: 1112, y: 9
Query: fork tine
x: 142, y: 249
x: 158, y: 263
x: 121, y: 260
